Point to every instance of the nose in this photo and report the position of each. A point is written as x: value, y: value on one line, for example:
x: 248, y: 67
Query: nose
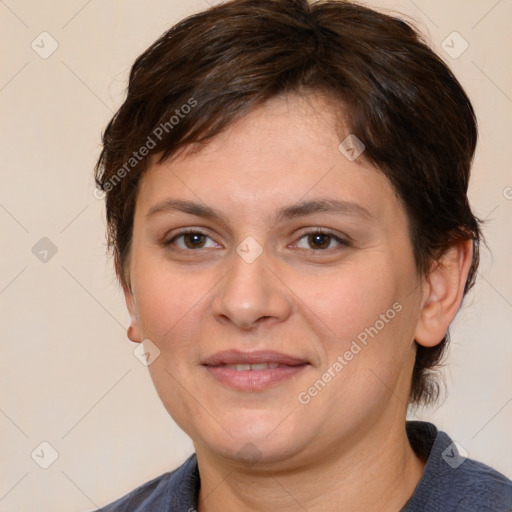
x: 251, y: 294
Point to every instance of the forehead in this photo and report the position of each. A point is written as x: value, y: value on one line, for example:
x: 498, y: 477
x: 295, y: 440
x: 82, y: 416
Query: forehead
x: 284, y: 151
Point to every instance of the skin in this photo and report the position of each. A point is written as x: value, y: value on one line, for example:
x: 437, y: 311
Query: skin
x: 347, y: 448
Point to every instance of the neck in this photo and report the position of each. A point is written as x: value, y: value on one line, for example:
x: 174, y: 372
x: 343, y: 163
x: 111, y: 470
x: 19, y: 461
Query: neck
x: 379, y: 472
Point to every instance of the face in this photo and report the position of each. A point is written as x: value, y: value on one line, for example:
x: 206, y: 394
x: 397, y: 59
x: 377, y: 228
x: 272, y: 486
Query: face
x: 271, y: 246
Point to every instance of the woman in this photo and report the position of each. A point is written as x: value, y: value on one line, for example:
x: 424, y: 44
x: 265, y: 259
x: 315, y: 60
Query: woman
x: 286, y: 192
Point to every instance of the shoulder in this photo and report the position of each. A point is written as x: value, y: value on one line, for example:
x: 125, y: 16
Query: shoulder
x: 452, y: 481
x: 150, y: 494
x: 176, y: 489
x: 481, y: 487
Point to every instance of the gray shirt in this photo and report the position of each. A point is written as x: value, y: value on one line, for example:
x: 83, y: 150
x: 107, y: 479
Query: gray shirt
x: 450, y: 482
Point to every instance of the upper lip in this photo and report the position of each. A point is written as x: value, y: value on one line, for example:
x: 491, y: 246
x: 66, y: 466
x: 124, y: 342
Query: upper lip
x: 261, y: 356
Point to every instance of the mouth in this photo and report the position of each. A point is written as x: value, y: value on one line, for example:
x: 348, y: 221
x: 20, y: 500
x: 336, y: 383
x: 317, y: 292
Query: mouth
x: 253, y: 371
x: 252, y: 367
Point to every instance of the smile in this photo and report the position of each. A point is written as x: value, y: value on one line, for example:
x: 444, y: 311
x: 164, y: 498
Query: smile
x: 253, y: 371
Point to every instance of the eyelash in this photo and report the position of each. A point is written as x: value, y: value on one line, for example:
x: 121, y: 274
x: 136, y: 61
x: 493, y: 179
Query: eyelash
x: 317, y: 231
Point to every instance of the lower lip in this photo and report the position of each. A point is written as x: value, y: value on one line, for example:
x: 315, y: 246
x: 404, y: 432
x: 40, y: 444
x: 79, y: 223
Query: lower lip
x: 254, y: 380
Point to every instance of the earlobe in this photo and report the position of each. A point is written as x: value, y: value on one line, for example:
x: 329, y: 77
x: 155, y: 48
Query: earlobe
x: 133, y: 331
x: 444, y: 290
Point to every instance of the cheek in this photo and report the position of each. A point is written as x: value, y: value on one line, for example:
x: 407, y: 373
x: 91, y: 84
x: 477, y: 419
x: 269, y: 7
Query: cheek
x: 166, y: 299
x: 349, y: 301
x: 170, y: 314
x: 365, y: 319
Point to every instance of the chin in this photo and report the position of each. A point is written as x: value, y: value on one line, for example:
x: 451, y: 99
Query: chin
x: 257, y: 454
x: 256, y: 444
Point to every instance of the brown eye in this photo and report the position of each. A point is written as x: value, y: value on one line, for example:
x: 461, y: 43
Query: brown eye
x: 319, y: 240
x: 194, y: 240
x: 191, y: 240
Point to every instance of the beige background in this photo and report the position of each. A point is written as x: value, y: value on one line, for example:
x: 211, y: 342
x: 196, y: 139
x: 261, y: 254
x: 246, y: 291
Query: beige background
x: 68, y: 373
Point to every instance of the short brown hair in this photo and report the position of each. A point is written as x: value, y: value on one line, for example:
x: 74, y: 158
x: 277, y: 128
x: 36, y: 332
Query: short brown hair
x: 395, y: 93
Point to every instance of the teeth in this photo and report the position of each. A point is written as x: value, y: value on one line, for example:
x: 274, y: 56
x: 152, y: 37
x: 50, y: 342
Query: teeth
x: 261, y: 366
x: 253, y: 367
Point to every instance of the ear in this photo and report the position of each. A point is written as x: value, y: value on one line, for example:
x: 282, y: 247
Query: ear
x: 444, y: 290
x: 133, y: 331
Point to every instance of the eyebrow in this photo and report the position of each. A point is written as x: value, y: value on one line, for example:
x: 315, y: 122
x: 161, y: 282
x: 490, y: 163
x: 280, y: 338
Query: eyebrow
x: 300, y: 209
